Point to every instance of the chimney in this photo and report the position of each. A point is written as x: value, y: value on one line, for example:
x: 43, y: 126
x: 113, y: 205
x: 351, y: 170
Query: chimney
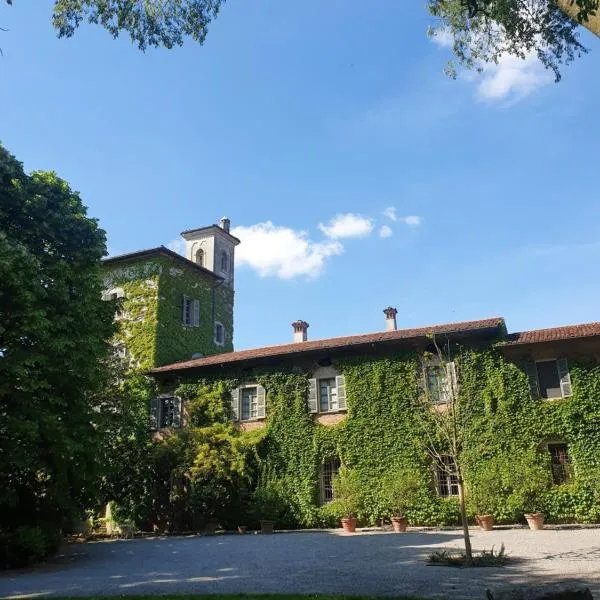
x: 300, y: 331
x: 390, y: 318
x: 224, y: 223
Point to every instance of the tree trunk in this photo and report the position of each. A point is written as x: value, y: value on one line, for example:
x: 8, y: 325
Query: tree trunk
x: 463, y: 518
x: 570, y: 8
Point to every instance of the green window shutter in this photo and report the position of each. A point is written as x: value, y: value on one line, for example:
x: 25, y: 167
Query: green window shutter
x: 534, y: 386
x: 340, y: 384
x: 452, y: 381
x: 260, y: 402
x: 235, y: 404
x: 177, y: 405
x: 312, y: 395
x: 196, y: 322
x: 565, y: 377
x: 154, y: 413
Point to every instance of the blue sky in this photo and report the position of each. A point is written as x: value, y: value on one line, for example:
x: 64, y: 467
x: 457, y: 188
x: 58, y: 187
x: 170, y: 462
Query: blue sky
x: 300, y: 114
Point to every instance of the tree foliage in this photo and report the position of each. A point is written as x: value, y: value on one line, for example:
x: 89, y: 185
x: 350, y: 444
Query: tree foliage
x: 53, y: 332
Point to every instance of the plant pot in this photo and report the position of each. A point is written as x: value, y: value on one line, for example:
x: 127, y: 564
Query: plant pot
x: 242, y: 528
x: 399, y: 524
x: 349, y: 524
x: 535, y: 520
x: 486, y: 522
x: 267, y: 526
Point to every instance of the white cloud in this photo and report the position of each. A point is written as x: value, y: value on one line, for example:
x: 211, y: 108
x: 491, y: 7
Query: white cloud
x: 346, y: 226
x: 276, y: 251
x: 390, y: 213
x: 513, y: 78
x: 411, y: 220
x: 443, y: 38
x: 177, y: 245
x: 385, y: 231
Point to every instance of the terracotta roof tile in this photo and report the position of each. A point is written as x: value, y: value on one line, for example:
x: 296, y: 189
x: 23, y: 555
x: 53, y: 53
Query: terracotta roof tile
x: 537, y: 336
x: 335, y: 343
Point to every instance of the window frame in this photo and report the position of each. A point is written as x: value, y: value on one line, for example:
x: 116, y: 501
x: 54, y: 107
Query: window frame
x: 237, y: 397
x: 216, y: 340
x: 447, y: 386
x: 546, y: 360
x: 329, y: 469
x: 445, y: 477
x: 224, y: 261
x: 534, y: 386
x: 330, y: 394
x: 177, y: 418
x: 565, y: 465
x: 199, y: 253
x: 253, y: 402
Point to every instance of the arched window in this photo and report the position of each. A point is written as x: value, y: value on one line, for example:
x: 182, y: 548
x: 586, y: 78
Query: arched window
x: 200, y: 257
x: 224, y: 262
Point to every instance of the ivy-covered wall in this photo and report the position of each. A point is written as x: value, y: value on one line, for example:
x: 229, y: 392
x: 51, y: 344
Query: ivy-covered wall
x: 150, y: 323
x: 381, y: 431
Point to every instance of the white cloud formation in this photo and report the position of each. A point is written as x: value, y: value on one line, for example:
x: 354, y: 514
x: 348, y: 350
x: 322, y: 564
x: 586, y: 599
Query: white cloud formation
x: 385, y: 231
x: 443, y: 38
x: 390, y: 213
x: 513, y: 78
x: 282, y: 252
x: 346, y: 226
x: 177, y: 245
x: 411, y: 220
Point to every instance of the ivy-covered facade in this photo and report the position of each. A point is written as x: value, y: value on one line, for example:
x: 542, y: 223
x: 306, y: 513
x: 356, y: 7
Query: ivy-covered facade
x: 308, y: 407
x: 171, y: 307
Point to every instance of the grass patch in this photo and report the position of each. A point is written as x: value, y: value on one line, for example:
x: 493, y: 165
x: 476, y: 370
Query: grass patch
x: 485, y: 558
x: 239, y: 597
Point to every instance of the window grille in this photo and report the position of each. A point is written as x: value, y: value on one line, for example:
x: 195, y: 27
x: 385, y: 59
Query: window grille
x: 329, y: 470
x: 561, y: 465
x: 445, y: 477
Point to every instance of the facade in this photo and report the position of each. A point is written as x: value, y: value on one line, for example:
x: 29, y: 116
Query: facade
x: 173, y: 308
x: 318, y: 404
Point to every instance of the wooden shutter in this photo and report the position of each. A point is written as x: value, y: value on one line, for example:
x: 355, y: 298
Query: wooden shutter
x: 312, y: 395
x: 196, y: 321
x: 183, y: 305
x: 452, y: 385
x: 154, y: 413
x: 177, y: 404
x: 534, y: 386
x: 235, y: 404
x: 565, y: 377
x: 340, y: 384
x: 260, y: 402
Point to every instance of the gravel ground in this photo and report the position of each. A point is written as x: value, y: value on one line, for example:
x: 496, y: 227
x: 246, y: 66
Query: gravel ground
x: 326, y: 562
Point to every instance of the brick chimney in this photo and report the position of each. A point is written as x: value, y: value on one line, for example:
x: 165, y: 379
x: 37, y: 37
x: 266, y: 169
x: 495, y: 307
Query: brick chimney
x: 390, y: 318
x: 300, y: 331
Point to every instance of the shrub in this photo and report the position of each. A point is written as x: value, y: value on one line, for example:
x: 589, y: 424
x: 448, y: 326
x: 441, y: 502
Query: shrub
x: 346, y: 493
x: 28, y: 544
x: 402, y: 491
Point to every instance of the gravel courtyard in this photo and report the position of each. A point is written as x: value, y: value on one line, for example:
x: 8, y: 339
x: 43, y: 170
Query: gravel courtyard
x: 327, y: 562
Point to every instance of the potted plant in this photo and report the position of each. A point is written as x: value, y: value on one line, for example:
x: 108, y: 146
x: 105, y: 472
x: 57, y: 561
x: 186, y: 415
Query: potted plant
x: 267, y: 502
x: 530, y: 479
x: 400, y: 490
x: 484, y: 490
x: 346, y: 494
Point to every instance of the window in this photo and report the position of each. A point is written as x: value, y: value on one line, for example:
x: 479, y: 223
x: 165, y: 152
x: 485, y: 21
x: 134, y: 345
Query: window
x: 165, y: 412
x: 219, y: 334
x: 326, y: 391
x: 328, y: 399
x: 561, y: 466
x: 224, y: 261
x: 440, y: 380
x: 549, y: 378
x: 329, y: 470
x: 446, y: 480
x: 249, y: 403
x: 190, y: 312
x: 200, y: 257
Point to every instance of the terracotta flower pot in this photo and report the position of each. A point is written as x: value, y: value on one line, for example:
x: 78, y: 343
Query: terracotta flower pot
x: 267, y: 526
x: 349, y: 524
x: 486, y: 522
x: 535, y: 520
x: 399, y: 524
x: 242, y: 528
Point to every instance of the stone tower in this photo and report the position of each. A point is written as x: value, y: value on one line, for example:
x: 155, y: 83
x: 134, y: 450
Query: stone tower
x: 213, y: 248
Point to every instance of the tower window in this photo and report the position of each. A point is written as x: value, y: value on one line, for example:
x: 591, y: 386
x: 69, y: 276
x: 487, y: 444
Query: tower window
x: 200, y: 257
x: 219, y: 334
x: 224, y: 262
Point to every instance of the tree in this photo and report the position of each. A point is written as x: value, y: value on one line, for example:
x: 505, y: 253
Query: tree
x: 485, y: 30
x: 447, y: 416
x: 53, y: 333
